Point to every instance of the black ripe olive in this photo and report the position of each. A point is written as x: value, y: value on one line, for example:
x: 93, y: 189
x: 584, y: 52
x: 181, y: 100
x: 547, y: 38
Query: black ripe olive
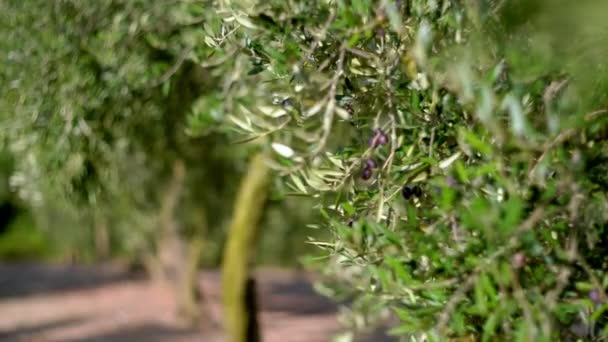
x: 287, y: 102
x: 417, y: 191
x: 407, y: 192
x: 366, y: 173
x: 535, y: 194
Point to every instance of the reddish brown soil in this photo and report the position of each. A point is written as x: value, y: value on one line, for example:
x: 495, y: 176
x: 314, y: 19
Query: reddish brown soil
x: 77, y: 304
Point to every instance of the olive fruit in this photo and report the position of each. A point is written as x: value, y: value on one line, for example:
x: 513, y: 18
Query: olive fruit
x: 370, y: 163
x: 379, y: 138
x: 407, y: 192
x: 366, y: 173
x: 595, y: 296
x: 287, y: 102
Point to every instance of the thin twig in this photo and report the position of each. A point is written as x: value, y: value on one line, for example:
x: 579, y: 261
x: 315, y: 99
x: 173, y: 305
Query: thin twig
x: 596, y: 282
x: 318, y: 38
x: 431, y: 143
x: 594, y: 114
x: 560, y: 139
x: 167, y: 75
x: 328, y: 117
x: 520, y: 297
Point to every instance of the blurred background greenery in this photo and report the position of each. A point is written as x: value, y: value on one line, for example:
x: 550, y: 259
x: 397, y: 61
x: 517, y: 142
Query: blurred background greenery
x: 99, y: 98
x: 24, y: 238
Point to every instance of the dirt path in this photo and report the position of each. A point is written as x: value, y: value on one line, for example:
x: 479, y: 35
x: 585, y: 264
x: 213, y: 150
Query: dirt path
x: 76, y: 304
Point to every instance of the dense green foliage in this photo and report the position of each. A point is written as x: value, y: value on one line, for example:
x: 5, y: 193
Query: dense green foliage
x: 456, y: 149
x: 492, y: 113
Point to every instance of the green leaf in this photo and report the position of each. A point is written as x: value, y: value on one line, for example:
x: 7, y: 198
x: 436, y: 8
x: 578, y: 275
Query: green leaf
x: 398, y: 269
x: 490, y: 325
x: 403, y: 330
x: 476, y: 143
x: 348, y: 208
x: 599, y: 312
x: 584, y: 286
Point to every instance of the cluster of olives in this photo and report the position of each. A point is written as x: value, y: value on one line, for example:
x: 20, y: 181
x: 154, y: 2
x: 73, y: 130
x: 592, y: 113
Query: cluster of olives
x: 370, y: 165
x: 379, y: 138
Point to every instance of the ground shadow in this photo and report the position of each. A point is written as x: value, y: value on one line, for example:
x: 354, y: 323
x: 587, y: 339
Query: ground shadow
x: 376, y: 336
x: 147, y: 332
x: 28, y: 279
x: 25, y: 331
x: 296, y: 297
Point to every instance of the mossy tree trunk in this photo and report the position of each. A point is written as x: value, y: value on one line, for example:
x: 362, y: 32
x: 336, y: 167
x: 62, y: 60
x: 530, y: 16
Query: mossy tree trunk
x: 238, y: 286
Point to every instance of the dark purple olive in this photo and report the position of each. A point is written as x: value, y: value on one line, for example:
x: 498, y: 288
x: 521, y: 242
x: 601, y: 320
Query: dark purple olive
x: 382, y: 138
x: 366, y: 173
x: 595, y: 296
x: 379, y: 138
x: 407, y: 192
x: 417, y: 191
x: 371, y: 163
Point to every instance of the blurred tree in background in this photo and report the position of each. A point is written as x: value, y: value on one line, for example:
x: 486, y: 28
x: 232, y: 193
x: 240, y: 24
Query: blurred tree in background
x: 97, y: 113
x: 20, y: 238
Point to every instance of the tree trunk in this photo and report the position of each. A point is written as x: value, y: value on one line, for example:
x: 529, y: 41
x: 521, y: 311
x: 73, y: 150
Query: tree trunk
x: 189, y: 296
x: 178, y: 261
x: 170, y: 248
x: 102, y: 237
x: 238, y: 288
x: 251, y: 308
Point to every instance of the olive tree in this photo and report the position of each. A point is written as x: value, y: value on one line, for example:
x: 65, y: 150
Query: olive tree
x: 455, y: 148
